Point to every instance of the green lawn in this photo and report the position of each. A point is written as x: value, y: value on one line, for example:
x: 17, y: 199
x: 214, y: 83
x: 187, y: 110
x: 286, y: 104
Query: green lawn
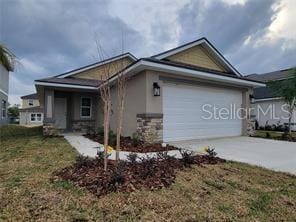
x: 225, y: 192
x: 273, y: 134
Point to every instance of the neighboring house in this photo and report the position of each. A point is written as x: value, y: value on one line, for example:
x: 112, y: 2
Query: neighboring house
x: 269, y: 108
x: 31, y: 114
x: 164, y: 98
x: 4, y: 84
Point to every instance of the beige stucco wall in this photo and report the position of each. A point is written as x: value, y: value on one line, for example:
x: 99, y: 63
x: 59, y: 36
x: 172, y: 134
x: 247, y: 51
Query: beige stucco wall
x: 25, y: 103
x: 140, y: 98
x: 154, y: 104
x: 197, y: 56
x: 135, y: 104
x: 98, y: 73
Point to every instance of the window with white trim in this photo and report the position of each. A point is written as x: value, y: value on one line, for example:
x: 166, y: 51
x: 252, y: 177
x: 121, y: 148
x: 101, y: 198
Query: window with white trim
x: 36, y: 117
x: 3, y: 109
x: 31, y: 102
x: 85, y: 110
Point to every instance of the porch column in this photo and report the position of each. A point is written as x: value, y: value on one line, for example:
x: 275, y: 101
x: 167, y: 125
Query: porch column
x: 248, y: 122
x: 49, y: 121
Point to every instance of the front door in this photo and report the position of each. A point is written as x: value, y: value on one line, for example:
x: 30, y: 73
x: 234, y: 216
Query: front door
x: 61, y: 113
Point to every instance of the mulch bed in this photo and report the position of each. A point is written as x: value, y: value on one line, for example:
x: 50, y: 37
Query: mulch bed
x: 127, y: 144
x: 128, y: 176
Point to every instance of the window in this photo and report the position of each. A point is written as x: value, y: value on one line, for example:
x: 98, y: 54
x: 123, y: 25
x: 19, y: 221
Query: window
x: 85, y: 107
x: 36, y: 117
x: 31, y: 102
x: 3, y: 109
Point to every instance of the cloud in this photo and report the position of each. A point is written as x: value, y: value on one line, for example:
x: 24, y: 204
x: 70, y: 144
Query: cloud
x: 247, y: 32
x: 53, y: 36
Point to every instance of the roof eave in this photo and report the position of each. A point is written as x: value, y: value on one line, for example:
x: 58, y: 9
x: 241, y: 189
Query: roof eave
x: 143, y: 64
x: 65, y: 85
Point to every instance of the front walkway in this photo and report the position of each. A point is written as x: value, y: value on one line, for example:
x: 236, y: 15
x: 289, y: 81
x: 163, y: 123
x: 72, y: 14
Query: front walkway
x: 272, y: 154
x: 87, y: 147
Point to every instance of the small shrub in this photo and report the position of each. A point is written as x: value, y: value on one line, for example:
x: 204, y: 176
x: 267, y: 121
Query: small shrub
x: 267, y: 135
x: 112, y: 138
x: 117, y: 178
x: 147, y: 168
x: 136, y: 139
x: 83, y: 161
x: 187, y: 157
x: 256, y: 125
x: 268, y: 127
x: 163, y: 155
x: 101, y: 154
x: 211, y: 152
x: 100, y: 131
x: 90, y: 131
x: 132, y: 158
x: 261, y: 127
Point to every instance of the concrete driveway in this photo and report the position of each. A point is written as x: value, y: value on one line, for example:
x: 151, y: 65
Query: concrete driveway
x: 272, y: 154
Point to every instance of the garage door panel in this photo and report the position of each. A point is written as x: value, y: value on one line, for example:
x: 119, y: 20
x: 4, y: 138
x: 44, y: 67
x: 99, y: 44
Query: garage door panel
x: 182, y: 107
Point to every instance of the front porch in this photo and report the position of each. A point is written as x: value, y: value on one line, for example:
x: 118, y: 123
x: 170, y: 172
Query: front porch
x: 68, y: 110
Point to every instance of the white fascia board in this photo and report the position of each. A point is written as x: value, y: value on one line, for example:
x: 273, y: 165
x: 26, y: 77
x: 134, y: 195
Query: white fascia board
x: 195, y: 44
x: 200, y: 74
x: 96, y: 65
x: 5, y: 93
x: 142, y: 65
x: 65, y: 85
x: 267, y: 99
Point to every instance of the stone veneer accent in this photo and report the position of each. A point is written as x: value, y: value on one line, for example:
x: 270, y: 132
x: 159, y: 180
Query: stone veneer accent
x: 150, y: 127
x: 83, y: 125
x: 251, y: 127
x: 49, y: 129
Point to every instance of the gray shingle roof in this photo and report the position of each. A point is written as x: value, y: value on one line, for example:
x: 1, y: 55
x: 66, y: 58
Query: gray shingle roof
x: 30, y: 96
x: 32, y: 109
x: 271, y: 76
x: 265, y: 92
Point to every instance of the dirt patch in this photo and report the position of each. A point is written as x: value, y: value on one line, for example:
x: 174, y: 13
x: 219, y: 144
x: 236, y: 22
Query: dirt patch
x: 128, y: 176
x: 130, y: 145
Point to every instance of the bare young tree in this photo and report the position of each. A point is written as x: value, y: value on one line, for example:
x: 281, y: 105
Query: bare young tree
x: 109, y: 69
x: 121, y: 91
x: 104, y: 89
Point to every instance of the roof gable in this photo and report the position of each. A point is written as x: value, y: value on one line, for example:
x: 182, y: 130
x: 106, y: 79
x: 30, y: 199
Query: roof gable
x: 76, y: 72
x: 201, y: 48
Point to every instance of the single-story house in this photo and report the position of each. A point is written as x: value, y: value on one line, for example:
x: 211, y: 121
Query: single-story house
x: 169, y: 96
x: 269, y: 109
x: 31, y: 114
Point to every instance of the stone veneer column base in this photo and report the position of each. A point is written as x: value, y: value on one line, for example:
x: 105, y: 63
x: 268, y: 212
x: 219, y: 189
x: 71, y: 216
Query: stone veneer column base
x: 251, y: 127
x: 49, y: 129
x: 150, y: 127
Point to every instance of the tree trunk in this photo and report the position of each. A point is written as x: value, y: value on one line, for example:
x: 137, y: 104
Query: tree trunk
x: 119, y: 127
x: 106, y: 135
x: 290, y: 120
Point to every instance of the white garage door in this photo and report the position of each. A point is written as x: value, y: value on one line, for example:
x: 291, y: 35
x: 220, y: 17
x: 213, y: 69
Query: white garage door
x: 189, y: 112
